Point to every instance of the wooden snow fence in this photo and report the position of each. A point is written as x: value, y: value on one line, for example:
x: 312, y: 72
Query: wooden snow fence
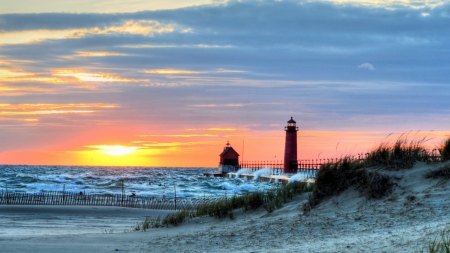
x: 77, y: 199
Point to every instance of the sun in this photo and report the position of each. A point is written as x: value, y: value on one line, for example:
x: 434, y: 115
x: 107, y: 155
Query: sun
x: 116, y: 150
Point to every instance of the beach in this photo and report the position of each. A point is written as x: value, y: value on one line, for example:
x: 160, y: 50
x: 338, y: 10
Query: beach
x: 414, y: 214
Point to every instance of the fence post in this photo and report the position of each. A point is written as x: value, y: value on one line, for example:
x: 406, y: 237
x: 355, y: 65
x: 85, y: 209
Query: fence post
x: 123, y: 192
x: 7, y: 196
x: 175, y: 191
x: 64, y: 195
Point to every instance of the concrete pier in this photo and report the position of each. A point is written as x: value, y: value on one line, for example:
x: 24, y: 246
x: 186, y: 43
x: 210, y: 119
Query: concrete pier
x: 284, y: 179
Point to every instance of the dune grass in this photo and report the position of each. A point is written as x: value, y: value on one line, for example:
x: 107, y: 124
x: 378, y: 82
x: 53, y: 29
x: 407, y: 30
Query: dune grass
x: 400, y: 155
x: 444, y: 150
x: 334, y: 178
x: 442, y: 173
x: 221, y: 208
x: 440, y: 246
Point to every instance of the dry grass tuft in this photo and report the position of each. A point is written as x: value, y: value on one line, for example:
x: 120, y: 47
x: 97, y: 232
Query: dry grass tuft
x: 401, y: 155
x: 443, y: 173
x: 374, y: 185
x: 221, y: 208
x: 444, y: 150
x: 334, y: 178
x: 442, y: 246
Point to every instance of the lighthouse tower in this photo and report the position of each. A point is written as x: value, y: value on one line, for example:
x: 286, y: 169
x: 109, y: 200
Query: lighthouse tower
x: 229, y: 159
x: 290, y: 148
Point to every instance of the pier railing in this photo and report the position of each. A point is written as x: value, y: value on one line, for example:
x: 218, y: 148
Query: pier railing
x: 276, y: 167
x: 76, y: 199
x: 306, y: 165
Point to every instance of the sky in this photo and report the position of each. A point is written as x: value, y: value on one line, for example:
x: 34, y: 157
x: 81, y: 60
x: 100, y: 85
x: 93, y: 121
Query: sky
x: 168, y: 83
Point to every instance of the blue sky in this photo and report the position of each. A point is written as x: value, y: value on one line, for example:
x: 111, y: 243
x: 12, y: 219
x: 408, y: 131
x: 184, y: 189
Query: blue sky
x: 175, y: 66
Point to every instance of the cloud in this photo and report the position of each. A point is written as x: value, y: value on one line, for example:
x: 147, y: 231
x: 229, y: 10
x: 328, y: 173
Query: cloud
x: 99, y: 6
x: 220, y: 129
x: 180, y: 135
x: 392, y: 3
x: 94, y: 77
x: 99, y: 54
x: 20, y: 119
x: 141, y: 27
x: 205, y: 106
x: 6, y: 74
x: 7, y: 91
x: 171, y: 71
x: 48, y: 109
x: 366, y: 65
x: 219, y: 63
x: 230, y: 71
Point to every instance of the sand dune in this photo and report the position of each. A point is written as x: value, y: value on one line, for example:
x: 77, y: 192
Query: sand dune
x: 415, y: 213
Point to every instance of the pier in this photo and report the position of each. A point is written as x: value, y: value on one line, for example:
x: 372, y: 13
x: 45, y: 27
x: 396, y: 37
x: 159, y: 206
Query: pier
x: 274, y: 170
x: 308, y: 167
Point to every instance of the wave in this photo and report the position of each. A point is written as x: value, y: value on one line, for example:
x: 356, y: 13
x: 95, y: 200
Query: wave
x: 152, y: 182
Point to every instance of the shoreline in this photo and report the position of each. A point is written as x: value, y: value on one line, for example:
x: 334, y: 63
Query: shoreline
x: 347, y: 222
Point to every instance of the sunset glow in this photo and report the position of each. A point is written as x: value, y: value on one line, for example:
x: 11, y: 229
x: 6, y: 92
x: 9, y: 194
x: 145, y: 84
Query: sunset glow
x: 168, y: 83
x: 116, y: 150
x: 94, y: 77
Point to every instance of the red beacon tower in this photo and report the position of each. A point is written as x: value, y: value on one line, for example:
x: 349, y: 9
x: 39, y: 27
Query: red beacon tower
x: 290, y: 148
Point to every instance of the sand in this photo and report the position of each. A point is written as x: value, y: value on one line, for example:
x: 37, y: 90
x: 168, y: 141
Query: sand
x: 413, y: 215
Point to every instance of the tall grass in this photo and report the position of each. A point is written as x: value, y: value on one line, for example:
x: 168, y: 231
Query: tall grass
x: 400, y: 155
x: 334, y: 178
x: 444, y: 150
x: 220, y: 208
x: 442, y: 172
x: 270, y: 200
x: 442, y: 246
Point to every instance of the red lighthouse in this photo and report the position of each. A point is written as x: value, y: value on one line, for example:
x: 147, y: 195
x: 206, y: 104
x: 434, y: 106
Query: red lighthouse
x: 229, y: 159
x: 290, y: 148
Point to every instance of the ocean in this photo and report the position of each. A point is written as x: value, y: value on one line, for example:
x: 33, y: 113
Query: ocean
x: 145, y: 182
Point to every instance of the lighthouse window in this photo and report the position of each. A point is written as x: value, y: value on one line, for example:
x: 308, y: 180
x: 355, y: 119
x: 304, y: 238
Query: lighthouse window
x: 291, y: 124
x: 231, y: 162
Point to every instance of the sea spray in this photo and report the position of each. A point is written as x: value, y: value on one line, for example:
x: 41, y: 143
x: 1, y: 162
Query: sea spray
x: 297, y: 178
x: 265, y: 171
x: 243, y: 171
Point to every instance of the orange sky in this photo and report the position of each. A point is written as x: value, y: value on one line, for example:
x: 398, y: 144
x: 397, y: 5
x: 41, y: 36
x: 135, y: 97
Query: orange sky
x: 199, y: 147
x: 168, y: 83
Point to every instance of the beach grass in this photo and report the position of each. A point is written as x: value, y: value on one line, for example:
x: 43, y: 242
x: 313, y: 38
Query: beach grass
x: 441, y: 246
x: 399, y: 155
x: 224, y: 207
x: 334, y: 178
x: 444, y: 150
x: 442, y: 173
